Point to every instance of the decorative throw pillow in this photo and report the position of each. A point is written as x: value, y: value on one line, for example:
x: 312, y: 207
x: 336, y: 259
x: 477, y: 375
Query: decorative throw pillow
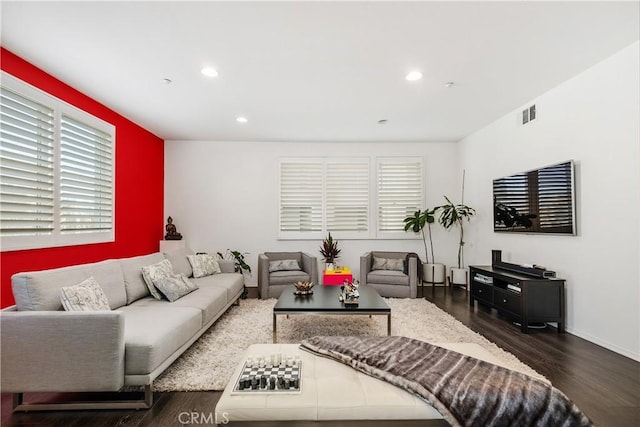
x: 179, y: 262
x: 87, y: 295
x: 283, y: 265
x: 388, y: 264
x: 154, y: 272
x: 204, y: 265
x: 175, y: 286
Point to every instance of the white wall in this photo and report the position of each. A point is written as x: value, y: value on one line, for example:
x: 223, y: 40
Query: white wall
x: 225, y: 195
x: 594, y: 119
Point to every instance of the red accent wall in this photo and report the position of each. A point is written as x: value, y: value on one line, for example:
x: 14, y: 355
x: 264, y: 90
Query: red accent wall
x: 139, y: 187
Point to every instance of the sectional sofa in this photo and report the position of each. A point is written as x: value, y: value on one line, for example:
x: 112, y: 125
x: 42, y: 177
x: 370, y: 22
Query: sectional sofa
x: 46, y: 349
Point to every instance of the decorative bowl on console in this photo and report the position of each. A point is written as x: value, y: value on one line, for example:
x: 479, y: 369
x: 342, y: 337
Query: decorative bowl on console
x: 303, y: 288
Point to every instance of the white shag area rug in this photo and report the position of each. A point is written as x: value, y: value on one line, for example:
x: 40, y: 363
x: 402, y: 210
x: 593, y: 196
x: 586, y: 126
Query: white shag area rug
x: 209, y: 363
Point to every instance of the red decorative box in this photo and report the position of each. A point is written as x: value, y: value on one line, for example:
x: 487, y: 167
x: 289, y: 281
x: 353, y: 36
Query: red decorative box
x: 336, y: 277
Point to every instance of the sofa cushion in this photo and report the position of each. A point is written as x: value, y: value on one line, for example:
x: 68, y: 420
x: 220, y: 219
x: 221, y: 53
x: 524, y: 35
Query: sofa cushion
x: 232, y: 283
x: 389, y: 277
x: 284, y: 255
x: 85, y: 296
x: 40, y: 290
x: 132, y: 271
x: 179, y: 261
x: 175, y: 287
x: 204, y: 265
x: 208, y: 299
x: 154, y: 272
x: 287, y: 277
x: 153, y: 333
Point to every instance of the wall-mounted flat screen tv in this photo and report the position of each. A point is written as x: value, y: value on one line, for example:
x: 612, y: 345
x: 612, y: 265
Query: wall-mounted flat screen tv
x: 537, y: 201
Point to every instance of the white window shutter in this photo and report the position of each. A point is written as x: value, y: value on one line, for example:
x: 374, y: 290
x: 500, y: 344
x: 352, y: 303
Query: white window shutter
x: 26, y: 166
x: 347, y: 196
x: 300, y: 196
x: 399, y: 192
x: 86, y: 189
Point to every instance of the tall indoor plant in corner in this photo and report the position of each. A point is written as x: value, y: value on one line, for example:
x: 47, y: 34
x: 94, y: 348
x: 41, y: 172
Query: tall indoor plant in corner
x: 452, y: 215
x: 431, y: 272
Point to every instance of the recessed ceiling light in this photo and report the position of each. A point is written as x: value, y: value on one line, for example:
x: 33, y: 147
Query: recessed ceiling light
x: 382, y: 121
x: 241, y: 119
x: 448, y: 84
x: 167, y: 81
x: 413, y: 76
x: 209, y: 72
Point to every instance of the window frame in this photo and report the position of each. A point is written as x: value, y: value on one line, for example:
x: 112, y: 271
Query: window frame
x: 399, y: 234
x: 372, y: 233
x: 60, y: 107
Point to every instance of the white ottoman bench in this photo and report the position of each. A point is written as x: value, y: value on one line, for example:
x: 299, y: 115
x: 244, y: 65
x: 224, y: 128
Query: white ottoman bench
x: 330, y: 391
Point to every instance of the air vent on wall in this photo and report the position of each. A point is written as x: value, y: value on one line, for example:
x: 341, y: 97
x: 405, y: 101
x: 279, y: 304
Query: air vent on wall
x: 528, y: 114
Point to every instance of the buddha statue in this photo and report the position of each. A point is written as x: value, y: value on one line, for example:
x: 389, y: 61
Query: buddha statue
x: 172, y: 233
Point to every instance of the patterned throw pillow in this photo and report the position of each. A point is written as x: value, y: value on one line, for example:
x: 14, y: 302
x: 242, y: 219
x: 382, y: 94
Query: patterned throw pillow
x: 87, y: 295
x: 388, y: 264
x: 204, y: 265
x: 176, y: 286
x: 154, y: 272
x: 283, y: 265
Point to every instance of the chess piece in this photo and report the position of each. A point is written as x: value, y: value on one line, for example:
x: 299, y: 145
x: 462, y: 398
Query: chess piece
x: 172, y: 233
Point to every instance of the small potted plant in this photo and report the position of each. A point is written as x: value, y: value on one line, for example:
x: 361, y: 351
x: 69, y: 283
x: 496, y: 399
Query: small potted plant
x: 432, y: 272
x: 329, y: 250
x: 240, y: 265
x: 452, y: 215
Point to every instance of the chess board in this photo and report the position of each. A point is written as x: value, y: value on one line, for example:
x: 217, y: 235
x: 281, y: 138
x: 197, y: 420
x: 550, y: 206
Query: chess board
x: 279, y: 373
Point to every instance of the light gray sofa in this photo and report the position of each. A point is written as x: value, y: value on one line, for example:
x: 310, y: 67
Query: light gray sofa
x: 390, y: 282
x: 46, y: 349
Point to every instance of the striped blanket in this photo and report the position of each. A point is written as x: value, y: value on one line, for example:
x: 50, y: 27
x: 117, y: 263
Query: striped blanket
x: 467, y: 391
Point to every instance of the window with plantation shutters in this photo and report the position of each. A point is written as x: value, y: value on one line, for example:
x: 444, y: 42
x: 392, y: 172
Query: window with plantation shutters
x: 399, y: 192
x: 300, y: 197
x: 26, y: 168
x: 86, y: 193
x: 343, y: 196
x: 347, y: 196
x: 57, y: 171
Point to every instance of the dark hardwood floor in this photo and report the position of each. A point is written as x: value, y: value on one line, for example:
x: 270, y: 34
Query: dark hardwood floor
x: 605, y: 385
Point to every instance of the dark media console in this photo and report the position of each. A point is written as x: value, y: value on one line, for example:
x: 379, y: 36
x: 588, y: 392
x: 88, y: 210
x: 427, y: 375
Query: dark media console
x: 523, y: 293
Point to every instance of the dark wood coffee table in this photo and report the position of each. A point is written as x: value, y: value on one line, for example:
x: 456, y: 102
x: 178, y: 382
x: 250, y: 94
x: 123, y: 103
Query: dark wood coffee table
x: 324, y: 301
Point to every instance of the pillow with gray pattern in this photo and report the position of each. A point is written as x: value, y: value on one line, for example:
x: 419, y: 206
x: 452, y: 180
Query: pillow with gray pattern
x: 388, y: 264
x: 204, y: 265
x: 283, y: 265
x: 87, y: 295
x: 175, y: 286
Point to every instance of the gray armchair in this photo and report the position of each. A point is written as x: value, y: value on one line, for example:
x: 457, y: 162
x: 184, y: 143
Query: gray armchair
x: 272, y: 283
x: 385, y: 271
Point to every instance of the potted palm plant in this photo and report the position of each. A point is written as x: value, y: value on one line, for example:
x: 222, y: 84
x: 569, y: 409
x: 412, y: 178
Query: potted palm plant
x: 329, y: 250
x: 452, y: 215
x: 432, y: 272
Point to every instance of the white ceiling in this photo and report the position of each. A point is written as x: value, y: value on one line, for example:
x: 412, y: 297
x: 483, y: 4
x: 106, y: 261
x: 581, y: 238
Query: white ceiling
x: 316, y: 71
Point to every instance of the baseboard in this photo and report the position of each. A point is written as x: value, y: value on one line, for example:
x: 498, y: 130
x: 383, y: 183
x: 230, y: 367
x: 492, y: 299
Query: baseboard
x: 609, y: 346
